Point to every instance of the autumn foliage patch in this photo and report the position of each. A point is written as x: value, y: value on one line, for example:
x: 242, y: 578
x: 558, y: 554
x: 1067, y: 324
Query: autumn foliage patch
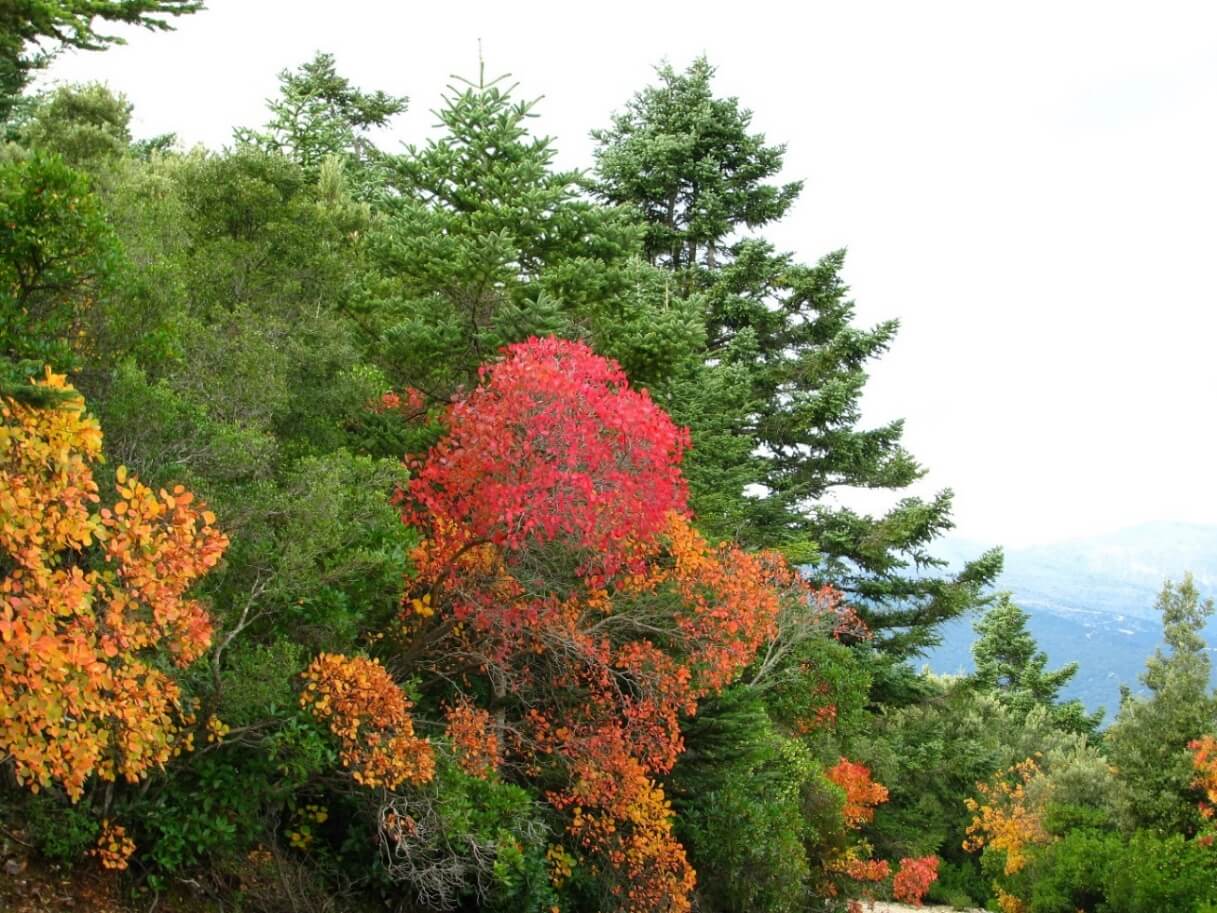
x: 369, y: 715
x: 559, y: 565
x: 1204, y: 760
x: 92, y: 605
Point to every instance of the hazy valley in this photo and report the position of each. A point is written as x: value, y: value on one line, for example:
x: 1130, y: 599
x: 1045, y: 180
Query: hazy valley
x: 1092, y: 601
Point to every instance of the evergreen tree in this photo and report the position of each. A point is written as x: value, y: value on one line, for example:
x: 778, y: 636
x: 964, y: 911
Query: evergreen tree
x: 318, y: 114
x: 1148, y: 741
x: 737, y: 792
x: 484, y: 243
x: 775, y: 404
x: 688, y: 162
x: 1010, y: 665
x: 28, y: 26
x: 88, y: 125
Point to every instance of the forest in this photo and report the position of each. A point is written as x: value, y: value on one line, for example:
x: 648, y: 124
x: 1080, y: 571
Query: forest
x: 433, y: 529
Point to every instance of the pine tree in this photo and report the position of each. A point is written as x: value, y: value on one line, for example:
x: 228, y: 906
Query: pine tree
x: 775, y: 403
x: 1010, y: 665
x: 318, y: 114
x: 27, y: 27
x: 484, y: 243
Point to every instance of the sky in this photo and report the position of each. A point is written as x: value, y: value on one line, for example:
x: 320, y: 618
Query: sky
x: 1031, y: 189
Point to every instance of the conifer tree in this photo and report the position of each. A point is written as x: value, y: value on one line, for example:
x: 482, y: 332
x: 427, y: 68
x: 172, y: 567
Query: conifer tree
x: 485, y: 243
x: 1010, y: 665
x: 775, y: 405
x: 319, y: 114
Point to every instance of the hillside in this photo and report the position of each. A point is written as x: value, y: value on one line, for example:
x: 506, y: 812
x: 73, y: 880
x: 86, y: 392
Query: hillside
x: 1092, y: 601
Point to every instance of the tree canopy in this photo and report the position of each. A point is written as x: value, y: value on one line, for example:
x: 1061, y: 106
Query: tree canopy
x: 470, y: 533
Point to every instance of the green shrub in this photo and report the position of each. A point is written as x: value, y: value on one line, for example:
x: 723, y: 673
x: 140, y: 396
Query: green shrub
x: 1072, y: 873
x: 959, y: 884
x: 61, y: 832
x: 1154, y: 874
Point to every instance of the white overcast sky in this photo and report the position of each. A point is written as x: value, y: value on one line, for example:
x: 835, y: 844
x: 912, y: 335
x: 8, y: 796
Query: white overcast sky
x: 1030, y: 187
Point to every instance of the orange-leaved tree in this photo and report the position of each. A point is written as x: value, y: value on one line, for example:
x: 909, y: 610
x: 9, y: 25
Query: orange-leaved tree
x: 851, y: 869
x: 912, y: 880
x: 369, y: 716
x: 561, y: 581
x: 1204, y: 760
x: 92, y: 604
x: 1007, y: 820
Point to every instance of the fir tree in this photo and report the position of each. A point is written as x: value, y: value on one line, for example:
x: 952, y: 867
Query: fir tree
x: 485, y: 243
x: 775, y: 403
x: 1011, y: 666
x: 318, y: 114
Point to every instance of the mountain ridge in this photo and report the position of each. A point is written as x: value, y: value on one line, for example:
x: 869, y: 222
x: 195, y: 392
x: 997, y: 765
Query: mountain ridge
x: 1091, y: 601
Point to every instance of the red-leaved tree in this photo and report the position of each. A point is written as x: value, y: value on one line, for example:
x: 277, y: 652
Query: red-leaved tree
x: 560, y: 569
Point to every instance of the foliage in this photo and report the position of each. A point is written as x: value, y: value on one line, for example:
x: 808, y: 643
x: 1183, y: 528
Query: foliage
x: 369, y: 715
x: 62, y: 834
x: 574, y: 678
x: 1161, y: 873
x: 959, y: 884
x: 226, y: 799
x: 1009, y: 664
x: 1204, y: 760
x: 474, y: 741
x: 737, y: 790
x: 1148, y: 741
x: 814, y: 686
x: 849, y: 867
x: 83, y: 636
x: 88, y: 125
x: 573, y: 584
x: 485, y: 244
x: 58, y: 256
x: 555, y: 446
x: 688, y: 161
x: 1072, y: 873
x: 930, y: 754
x: 912, y: 880
x: 318, y: 115
x: 1098, y: 870
x: 462, y: 837
x: 862, y: 793
x: 1005, y: 820
x: 114, y: 847
x: 773, y: 406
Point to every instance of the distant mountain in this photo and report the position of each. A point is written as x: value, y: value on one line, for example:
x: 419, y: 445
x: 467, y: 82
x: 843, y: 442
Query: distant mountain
x: 1092, y: 601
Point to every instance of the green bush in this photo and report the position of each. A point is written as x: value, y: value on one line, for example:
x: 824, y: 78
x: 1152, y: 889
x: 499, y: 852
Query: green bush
x: 1072, y: 874
x: 959, y: 884
x: 1155, y: 874
x: 1106, y: 872
x: 61, y: 832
